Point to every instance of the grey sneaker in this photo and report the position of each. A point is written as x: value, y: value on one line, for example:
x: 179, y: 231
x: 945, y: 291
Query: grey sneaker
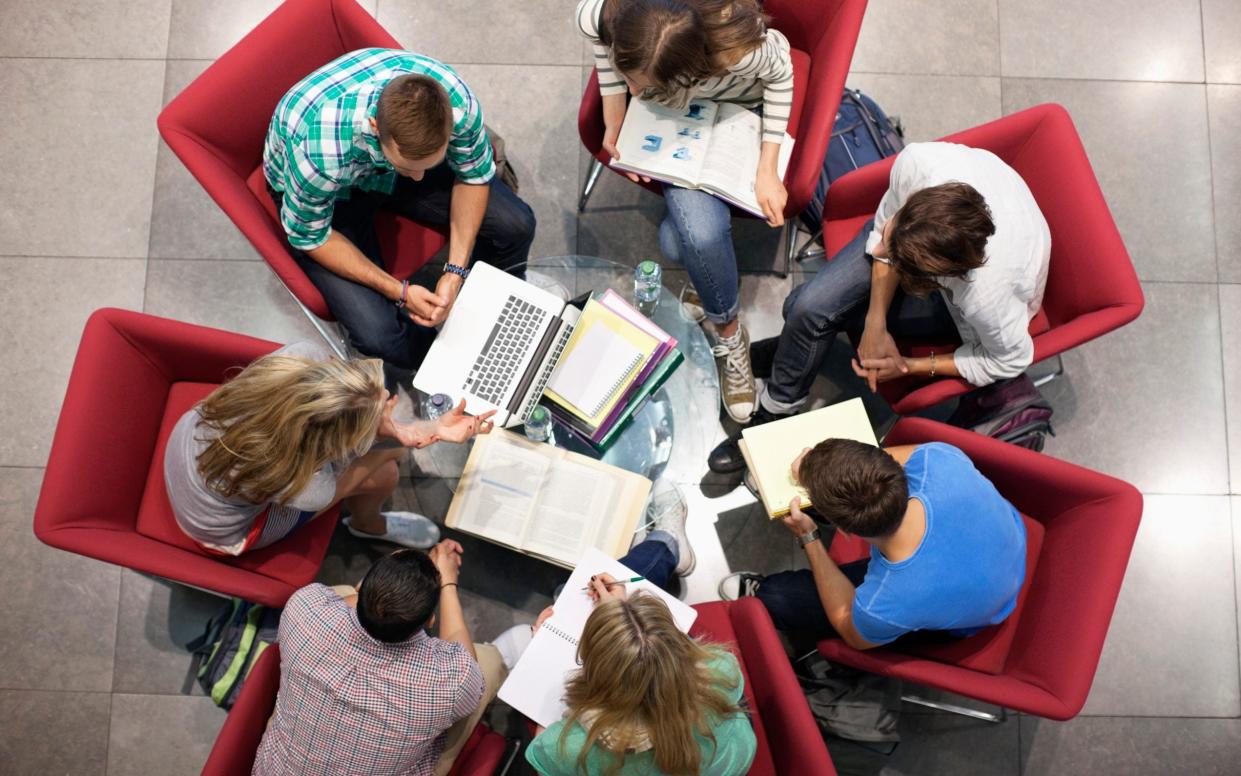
x: 732, y: 360
x: 740, y: 584
x: 667, y: 512
x: 408, y: 529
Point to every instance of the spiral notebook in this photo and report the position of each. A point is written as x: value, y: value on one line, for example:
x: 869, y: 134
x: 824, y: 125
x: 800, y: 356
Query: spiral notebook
x: 535, y: 686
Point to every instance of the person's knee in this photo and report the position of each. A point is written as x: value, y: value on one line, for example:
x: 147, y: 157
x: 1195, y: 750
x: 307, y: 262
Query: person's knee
x: 669, y: 245
x: 380, y: 338
x: 384, y: 479
x: 513, y: 225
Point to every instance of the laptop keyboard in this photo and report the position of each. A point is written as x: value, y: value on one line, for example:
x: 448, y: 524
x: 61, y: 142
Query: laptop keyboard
x: 537, y: 392
x: 514, y: 332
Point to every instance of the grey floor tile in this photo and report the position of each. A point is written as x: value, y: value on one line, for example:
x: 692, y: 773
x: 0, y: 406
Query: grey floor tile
x: 762, y: 304
x: 1149, y: 40
x: 54, y: 732
x: 932, y: 106
x: 1224, y: 108
x: 1157, y: 182
x: 754, y: 542
x: 1230, y: 319
x: 70, y: 192
x: 621, y: 221
x: 543, y: 146
x: 1103, y: 393
x: 205, y: 29
x: 185, y: 222
x: 948, y: 743
x: 1179, y: 585
x: 241, y: 296
x: 496, y: 34
x: 46, y: 303
x: 1221, y: 34
x: 166, y: 734
x: 59, y: 626
x: 135, y: 29
x: 1094, y: 745
x: 952, y: 38
x: 157, y: 619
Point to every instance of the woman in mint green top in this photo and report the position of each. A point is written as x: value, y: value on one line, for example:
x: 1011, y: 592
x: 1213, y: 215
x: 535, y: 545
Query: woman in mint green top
x: 648, y: 699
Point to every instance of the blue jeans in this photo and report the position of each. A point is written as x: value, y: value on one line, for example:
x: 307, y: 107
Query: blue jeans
x: 836, y: 300
x: 376, y: 327
x: 697, y: 234
x: 654, y: 558
x: 793, y: 601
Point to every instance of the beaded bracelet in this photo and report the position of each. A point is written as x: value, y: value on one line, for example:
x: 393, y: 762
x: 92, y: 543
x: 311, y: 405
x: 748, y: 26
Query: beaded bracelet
x: 404, y: 290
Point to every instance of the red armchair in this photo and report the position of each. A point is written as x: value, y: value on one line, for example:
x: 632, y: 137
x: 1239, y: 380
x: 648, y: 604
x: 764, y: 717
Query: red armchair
x: 1041, y: 660
x: 238, y: 742
x: 822, y: 35
x: 789, y: 740
x: 1091, y: 284
x: 217, y: 126
x: 103, y: 491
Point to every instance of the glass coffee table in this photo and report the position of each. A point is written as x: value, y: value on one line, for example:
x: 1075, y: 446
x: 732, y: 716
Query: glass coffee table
x: 669, y: 438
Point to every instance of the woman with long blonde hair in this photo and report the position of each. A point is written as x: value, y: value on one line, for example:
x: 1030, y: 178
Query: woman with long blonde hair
x: 648, y: 698
x: 286, y: 439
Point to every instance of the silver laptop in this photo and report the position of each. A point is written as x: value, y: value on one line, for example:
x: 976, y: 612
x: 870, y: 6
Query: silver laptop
x: 499, y: 345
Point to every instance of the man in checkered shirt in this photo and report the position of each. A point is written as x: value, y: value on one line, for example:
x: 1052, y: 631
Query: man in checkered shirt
x: 382, y: 129
x: 363, y: 689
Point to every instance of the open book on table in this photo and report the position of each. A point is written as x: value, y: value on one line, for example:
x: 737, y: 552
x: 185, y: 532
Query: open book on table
x: 535, y: 686
x: 708, y: 145
x: 546, y: 501
x: 771, y: 448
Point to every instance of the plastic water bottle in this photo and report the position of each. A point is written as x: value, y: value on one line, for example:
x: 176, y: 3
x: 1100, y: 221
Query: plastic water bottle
x: 435, y: 405
x: 539, y: 425
x: 647, y: 282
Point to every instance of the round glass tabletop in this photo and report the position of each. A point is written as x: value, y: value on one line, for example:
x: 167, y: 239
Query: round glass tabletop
x: 669, y: 436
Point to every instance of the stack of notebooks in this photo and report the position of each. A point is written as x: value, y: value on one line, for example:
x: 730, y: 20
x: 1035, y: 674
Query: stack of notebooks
x: 613, y: 362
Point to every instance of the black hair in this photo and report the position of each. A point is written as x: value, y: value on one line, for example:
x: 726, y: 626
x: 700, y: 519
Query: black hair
x: 398, y: 595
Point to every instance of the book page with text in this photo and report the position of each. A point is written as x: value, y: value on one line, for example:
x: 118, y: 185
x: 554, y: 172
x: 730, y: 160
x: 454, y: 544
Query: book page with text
x: 576, y: 505
x: 732, y: 159
x: 501, y: 488
x: 665, y: 143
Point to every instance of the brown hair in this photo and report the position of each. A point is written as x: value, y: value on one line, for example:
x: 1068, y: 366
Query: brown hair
x: 282, y: 419
x: 415, y: 114
x: 940, y: 231
x: 640, y: 674
x: 677, y: 43
x: 854, y: 486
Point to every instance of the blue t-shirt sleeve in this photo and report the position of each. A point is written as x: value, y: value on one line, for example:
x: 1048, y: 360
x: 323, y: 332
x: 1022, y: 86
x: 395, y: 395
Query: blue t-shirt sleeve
x: 874, y: 629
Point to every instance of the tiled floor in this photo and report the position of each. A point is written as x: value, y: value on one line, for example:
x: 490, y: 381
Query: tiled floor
x: 97, y: 212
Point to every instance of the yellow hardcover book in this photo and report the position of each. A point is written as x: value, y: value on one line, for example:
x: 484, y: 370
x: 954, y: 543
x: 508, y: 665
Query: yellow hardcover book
x: 771, y: 448
x: 603, y: 356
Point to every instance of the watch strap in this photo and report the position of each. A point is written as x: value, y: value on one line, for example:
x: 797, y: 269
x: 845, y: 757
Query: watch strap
x: 807, y: 538
x: 454, y: 269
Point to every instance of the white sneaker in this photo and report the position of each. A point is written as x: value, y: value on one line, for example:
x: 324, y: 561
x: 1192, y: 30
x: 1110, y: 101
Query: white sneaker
x: 407, y: 529
x: 512, y: 643
x: 668, y: 512
x: 732, y: 360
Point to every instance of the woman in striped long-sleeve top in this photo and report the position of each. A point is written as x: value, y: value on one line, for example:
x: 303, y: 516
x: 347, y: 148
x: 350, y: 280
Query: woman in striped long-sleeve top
x: 672, y: 51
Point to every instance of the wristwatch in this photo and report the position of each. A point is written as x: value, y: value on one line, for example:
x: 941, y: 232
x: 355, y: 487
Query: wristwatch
x: 807, y: 538
x: 454, y: 269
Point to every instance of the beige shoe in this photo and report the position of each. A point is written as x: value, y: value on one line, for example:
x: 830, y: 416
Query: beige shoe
x: 691, y: 306
x: 732, y: 360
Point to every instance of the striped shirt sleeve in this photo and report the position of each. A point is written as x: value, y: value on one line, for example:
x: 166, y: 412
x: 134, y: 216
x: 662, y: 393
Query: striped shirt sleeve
x: 469, y: 148
x: 772, y: 64
x: 309, y: 200
x: 610, y: 81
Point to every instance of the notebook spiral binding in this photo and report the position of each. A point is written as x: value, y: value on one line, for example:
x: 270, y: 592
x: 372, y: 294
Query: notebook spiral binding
x: 553, y: 629
x: 615, y: 389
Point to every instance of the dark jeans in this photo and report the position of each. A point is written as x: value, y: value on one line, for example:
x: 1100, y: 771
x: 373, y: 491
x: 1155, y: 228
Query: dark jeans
x: 654, y: 558
x: 836, y: 300
x: 376, y: 327
x: 793, y: 601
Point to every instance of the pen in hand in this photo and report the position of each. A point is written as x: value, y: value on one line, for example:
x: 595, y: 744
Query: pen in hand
x: 617, y: 582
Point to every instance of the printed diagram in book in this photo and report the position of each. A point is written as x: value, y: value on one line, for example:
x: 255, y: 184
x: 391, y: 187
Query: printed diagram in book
x: 694, y: 134
x: 695, y: 112
x: 653, y: 142
x: 682, y: 154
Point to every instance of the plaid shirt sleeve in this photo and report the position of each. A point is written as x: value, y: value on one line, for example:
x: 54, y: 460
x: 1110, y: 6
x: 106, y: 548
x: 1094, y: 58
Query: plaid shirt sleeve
x: 469, y: 148
x: 309, y: 201
x: 470, y: 691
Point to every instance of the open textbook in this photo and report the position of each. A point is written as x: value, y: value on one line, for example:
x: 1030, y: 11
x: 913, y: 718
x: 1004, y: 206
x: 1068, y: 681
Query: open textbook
x: 708, y: 145
x: 535, y: 686
x: 771, y: 448
x: 546, y: 501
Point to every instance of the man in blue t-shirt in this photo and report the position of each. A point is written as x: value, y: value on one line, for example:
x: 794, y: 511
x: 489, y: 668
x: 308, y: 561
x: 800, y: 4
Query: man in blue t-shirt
x: 947, y: 551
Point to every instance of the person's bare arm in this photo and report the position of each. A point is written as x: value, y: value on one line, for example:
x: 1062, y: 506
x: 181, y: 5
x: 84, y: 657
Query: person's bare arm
x: 877, y: 344
x: 769, y: 190
x: 465, y: 217
x: 447, y: 558
x: 343, y: 258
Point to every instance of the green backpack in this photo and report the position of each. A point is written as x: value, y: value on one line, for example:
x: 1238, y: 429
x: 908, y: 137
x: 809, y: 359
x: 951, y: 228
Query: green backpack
x: 230, y: 645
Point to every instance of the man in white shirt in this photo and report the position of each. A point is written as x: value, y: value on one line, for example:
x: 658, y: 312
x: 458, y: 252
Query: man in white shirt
x: 958, y: 246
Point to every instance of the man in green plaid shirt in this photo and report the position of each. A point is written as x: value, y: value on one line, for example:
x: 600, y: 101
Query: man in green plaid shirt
x: 383, y: 129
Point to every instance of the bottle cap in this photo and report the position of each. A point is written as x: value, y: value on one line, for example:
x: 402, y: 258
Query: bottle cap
x: 439, y: 399
x: 648, y: 268
x: 538, y: 414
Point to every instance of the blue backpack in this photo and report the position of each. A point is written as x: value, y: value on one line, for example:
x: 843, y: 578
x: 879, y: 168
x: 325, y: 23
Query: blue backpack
x: 862, y: 134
